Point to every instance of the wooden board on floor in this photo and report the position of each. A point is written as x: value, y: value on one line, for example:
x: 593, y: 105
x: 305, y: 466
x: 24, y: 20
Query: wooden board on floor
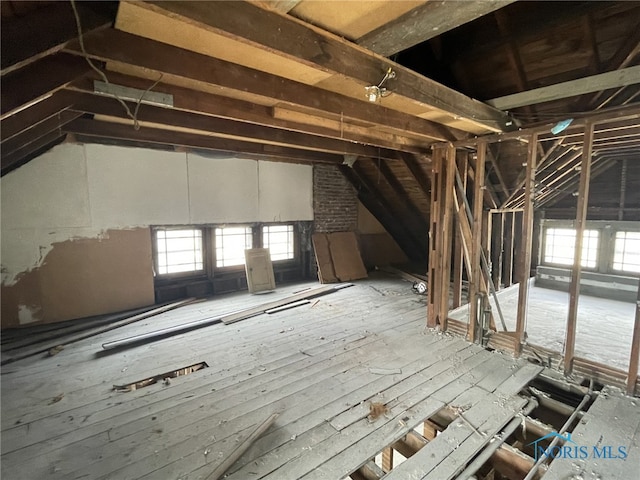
x: 345, y: 255
x: 326, y: 273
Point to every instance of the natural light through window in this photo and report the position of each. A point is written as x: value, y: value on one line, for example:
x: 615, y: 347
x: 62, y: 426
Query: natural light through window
x: 231, y: 242
x: 179, y: 251
x: 627, y: 252
x: 560, y: 246
x: 279, y: 240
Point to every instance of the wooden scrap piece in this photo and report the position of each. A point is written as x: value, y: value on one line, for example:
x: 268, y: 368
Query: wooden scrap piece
x: 242, y: 448
x: 326, y: 273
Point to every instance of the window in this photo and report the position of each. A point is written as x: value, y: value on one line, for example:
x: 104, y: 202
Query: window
x: 179, y: 250
x: 560, y: 246
x: 279, y: 240
x: 231, y: 242
x: 626, y: 255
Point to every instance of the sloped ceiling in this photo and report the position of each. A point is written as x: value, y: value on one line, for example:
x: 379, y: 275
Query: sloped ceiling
x: 286, y: 80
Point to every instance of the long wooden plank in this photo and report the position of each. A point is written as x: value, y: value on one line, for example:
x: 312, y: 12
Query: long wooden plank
x: 634, y: 358
x: 95, y: 331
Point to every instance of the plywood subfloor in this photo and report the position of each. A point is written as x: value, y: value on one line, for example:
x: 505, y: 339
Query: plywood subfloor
x: 319, y: 365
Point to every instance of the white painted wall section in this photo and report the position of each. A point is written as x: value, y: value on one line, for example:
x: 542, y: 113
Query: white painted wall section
x: 286, y: 192
x: 222, y: 190
x: 135, y: 186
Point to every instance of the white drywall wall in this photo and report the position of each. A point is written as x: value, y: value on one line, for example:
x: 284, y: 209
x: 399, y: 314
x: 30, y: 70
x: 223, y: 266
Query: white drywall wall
x: 80, y: 191
x: 286, y: 192
x: 135, y: 186
x: 222, y: 189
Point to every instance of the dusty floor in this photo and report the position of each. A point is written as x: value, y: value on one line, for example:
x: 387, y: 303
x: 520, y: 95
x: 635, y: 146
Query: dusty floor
x: 604, y: 326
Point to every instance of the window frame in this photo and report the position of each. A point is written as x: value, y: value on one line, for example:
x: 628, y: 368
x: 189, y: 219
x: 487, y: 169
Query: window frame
x: 214, y: 246
x: 295, y: 241
x: 545, y: 247
x: 621, y: 271
x: 160, y: 277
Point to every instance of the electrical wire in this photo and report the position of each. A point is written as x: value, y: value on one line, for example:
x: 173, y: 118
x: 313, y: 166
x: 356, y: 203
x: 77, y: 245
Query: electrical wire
x: 134, y: 115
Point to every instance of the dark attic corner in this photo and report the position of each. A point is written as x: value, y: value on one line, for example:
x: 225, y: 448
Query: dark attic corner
x: 310, y: 239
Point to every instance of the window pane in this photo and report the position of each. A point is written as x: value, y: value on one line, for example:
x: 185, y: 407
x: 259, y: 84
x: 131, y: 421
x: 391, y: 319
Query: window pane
x: 560, y: 247
x: 627, y: 252
x: 179, y: 250
x: 279, y: 239
x: 231, y: 242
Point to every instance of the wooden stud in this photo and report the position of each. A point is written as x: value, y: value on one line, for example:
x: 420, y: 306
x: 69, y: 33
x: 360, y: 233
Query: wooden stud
x: 476, y: 245
x: 435, y: 234
x: 444, y: 254
x: 634, y: 359
x: 581, y: 217
x: 498, y: 249
x: 524, y: 254
x: 508, y: 248
x: 458, y: 253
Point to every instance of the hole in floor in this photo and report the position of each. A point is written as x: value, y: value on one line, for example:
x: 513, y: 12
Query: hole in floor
x: 162, y: 377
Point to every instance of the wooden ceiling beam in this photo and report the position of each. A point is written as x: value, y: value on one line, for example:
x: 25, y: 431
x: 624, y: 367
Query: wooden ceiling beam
x: 28, y: 151
x: 401, y: 192
x: 572, y: 88
x: 225, y: 107
x: 34, y: 114
x: 311, y: 46
x: 38, y: 130
x: 117, y: 131
x: 102, y: 105
x: 282, y: 6
x: 38, y: 80
x: 43, y: 32
x: 125, y: 48
x: 425, y: 22
x: 413, y: 164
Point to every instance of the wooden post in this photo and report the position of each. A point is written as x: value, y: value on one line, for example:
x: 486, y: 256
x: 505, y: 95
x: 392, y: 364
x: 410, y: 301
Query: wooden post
x: 457, y: 270
x: 498, y: 250
x: 447, y: 220
x: 434, y: 238
x: 635, y: 351
x: 508, y: 248
x: 525, y: 243
x: 430, y: 430
x: 476, y: 240
x: 581, y: 218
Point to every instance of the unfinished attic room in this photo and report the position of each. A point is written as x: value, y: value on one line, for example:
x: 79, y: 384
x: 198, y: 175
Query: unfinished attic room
x: 332, y: 240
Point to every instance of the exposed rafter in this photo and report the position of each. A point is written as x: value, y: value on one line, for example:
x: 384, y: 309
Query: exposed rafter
x: 602, y: 81
x: 429, y: 20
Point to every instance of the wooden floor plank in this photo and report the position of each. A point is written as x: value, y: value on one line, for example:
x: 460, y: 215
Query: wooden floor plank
x: 449, y: 452
x: 613, y: 420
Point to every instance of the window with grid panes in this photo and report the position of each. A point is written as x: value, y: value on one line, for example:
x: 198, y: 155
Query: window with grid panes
x: 179, y: 251
x: 279, y: 239
x: 231, y: 242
